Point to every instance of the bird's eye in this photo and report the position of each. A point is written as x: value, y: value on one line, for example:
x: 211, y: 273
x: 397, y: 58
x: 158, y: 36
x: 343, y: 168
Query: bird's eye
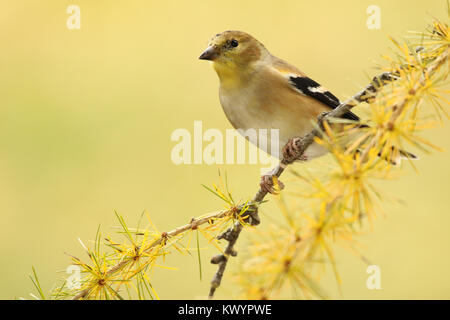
x: 234, y: 43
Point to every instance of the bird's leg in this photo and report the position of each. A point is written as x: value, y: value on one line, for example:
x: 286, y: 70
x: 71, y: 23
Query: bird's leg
x: 270, y: 183
x: 291, y: 151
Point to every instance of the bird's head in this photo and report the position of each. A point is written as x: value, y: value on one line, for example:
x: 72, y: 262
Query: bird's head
x: 233, y: 52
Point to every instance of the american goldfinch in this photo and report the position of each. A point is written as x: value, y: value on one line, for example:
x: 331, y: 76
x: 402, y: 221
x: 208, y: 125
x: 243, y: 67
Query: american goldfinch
x: 261, y: 91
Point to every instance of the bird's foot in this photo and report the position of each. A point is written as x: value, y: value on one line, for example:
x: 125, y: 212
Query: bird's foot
x: 271, y: 184
x: 291, y: 150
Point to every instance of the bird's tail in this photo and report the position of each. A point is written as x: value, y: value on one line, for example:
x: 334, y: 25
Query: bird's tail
x: 395, y: 156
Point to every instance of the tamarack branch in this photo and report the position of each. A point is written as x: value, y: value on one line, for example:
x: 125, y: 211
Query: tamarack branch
x: 231, y: 235
x: 240, y: 215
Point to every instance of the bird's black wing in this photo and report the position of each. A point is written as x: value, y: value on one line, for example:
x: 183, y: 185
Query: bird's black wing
x: 311, y: 88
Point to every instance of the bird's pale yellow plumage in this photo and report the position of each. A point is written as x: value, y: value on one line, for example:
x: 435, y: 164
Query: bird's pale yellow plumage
x: 256, y: 92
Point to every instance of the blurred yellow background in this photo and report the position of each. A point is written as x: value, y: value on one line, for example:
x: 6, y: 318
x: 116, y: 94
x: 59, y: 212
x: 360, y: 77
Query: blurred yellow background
x: 86, y: 117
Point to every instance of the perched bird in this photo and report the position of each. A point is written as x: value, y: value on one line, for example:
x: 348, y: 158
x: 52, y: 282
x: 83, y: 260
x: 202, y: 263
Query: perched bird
x: 261, y: 91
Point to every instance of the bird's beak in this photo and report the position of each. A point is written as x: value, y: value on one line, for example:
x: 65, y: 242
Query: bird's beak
x: 209, y: 54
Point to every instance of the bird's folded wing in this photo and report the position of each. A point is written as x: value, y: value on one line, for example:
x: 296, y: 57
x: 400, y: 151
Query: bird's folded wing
x: 309, y: 87
x: 302, y: 84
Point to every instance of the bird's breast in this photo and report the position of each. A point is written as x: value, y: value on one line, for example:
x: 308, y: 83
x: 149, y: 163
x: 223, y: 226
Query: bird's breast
x: 260, y: 105
x: 240, y: 107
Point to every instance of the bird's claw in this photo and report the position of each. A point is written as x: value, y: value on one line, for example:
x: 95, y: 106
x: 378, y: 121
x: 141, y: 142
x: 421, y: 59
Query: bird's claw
x: 271, y: 184
x: 291, y: 151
